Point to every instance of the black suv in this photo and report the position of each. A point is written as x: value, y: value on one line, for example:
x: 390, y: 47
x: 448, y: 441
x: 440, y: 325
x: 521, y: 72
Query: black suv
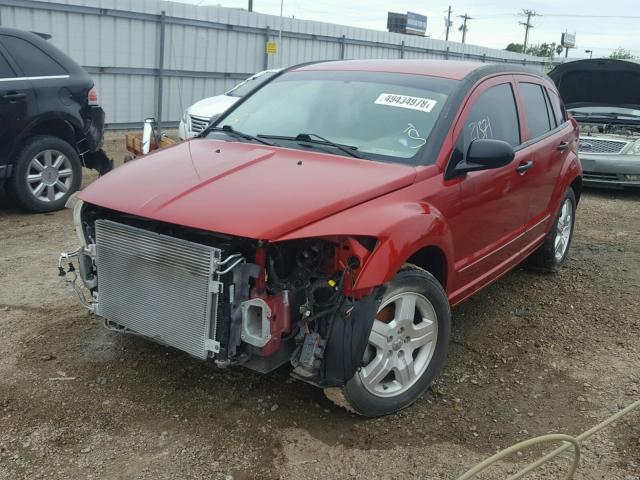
x: 50, y: 122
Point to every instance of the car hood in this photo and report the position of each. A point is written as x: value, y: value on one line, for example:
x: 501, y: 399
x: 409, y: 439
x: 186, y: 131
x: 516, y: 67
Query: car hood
x: 208, y: 107
x: 243, y: 189
x: 598, y: 82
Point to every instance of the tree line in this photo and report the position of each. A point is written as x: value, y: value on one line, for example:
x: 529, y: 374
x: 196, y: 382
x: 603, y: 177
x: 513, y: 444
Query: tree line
x: 549, y: 50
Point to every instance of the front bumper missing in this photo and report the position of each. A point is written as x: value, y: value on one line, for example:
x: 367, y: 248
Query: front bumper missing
x: 161, y: 287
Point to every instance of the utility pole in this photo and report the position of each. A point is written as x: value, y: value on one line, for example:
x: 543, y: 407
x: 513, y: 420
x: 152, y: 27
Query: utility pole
x: 446, y: 37
x: 463, y: 28
x: 527, y: 25
x: 250, y: 6
x: 280, y: 34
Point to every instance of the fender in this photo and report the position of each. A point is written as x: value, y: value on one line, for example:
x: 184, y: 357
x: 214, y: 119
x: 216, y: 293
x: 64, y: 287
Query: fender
x: 70, y: 121
x: 402, y: 228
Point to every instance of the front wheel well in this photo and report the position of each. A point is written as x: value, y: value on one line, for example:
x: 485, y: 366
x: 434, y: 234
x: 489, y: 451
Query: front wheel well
x: 433, y: 260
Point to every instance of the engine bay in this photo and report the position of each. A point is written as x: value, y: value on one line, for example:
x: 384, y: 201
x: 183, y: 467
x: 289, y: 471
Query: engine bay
x: 291, y: 301
x: 617, y: 129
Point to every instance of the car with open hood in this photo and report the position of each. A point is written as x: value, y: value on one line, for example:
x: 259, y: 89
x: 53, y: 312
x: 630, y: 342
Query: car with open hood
x: 603, y: 95
x: 331, y: 220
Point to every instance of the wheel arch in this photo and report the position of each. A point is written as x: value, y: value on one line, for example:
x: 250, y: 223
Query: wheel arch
x: 422, y: 240
x: 576, y: 185
x: 65, y: 127
x: 56, y: 127
x: 433, y: 260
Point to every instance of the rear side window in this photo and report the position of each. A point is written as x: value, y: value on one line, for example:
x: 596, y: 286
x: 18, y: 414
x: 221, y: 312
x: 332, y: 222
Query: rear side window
x: 535, y: 106
x: 5, y: 69
x: 558, y: 111
x: 493, y: 116
x: 33, y: 61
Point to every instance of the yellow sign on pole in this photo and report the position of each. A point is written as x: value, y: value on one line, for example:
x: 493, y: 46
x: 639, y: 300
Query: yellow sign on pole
x: 272, y: 48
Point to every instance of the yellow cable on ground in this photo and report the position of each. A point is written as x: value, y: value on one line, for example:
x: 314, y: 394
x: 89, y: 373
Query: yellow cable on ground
x: 568, y: 442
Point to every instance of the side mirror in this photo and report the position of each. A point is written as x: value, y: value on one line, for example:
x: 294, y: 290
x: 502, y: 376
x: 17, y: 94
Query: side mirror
x: 485, y: 154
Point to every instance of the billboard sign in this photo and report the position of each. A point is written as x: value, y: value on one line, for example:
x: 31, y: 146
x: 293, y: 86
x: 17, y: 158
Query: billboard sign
x: 396, y: 22
x: 568, y: 40
x: 416, y: 23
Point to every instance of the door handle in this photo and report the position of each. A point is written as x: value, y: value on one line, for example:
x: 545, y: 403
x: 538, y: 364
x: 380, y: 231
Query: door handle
x: 562, y: 146
x: 523, y: 167
x: 12, y: 96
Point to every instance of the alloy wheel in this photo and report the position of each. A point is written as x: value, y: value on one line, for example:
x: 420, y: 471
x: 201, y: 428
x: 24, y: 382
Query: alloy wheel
x: 401, y: 345
x: 49, y: 175
x: 563, y: 230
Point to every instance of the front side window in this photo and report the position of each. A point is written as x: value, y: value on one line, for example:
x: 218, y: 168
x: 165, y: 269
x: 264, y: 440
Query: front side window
x: 33, y: 61
x: 386, y: 116
x: 493, y: 116
x: 5, y: 69
x: 535, y: 107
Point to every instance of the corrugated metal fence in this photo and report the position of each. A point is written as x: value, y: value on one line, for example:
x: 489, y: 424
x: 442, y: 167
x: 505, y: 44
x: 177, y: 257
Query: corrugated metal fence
x: 154, y: 58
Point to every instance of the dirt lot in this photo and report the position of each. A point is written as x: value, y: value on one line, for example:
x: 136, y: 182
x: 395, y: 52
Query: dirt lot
x: 530, y: 355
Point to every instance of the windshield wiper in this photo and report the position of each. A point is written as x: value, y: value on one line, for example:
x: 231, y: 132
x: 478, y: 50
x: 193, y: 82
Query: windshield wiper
x: 307, y: 138
x: 228, y: 129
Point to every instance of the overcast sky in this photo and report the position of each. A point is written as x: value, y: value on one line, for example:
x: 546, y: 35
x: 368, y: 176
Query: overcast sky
x: 599, y: 25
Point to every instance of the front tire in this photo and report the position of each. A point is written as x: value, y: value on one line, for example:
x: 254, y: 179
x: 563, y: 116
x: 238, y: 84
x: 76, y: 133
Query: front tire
x: 407, y: 347
x: 555, y: 249
x: 47, y: 172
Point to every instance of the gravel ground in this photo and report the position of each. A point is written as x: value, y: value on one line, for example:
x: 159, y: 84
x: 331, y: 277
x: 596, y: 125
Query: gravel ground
x: 530, y: 355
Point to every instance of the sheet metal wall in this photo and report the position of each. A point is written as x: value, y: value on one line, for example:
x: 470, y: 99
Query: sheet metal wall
x: 207, y: 50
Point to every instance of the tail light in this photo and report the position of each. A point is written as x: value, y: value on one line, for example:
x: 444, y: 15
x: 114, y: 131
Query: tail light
x: 92, y: 96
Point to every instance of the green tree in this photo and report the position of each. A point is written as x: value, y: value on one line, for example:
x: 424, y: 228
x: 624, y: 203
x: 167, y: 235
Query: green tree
x: 621, y: 54
x: 514, y: 47
x: 547, y: 50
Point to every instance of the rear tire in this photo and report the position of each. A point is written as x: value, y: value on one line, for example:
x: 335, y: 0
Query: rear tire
x: 555, y: 249
x: 46, y: 173
x: 407, y: 347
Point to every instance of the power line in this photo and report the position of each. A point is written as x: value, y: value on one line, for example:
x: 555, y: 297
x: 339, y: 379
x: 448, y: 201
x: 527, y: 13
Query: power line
x: 590, y: 16
x: 527, y: 26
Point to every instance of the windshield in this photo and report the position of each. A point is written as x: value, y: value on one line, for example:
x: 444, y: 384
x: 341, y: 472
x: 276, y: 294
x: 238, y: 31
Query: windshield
x: 605, y: 112
x: 250, y: 83
x: 386, y: 116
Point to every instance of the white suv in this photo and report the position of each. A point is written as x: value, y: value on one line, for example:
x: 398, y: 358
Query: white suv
x: 196, y: 118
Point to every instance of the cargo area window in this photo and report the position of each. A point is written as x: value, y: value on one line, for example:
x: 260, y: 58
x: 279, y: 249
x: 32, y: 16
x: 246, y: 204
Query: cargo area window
x: 558, y: 110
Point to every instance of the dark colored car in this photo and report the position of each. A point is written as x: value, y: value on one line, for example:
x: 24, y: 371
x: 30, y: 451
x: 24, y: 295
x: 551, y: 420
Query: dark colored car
x: 50, y: 122
x: 603, y: 95
x: 333, y: 217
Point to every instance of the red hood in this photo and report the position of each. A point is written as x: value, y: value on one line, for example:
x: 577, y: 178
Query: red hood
x: 243, y: 189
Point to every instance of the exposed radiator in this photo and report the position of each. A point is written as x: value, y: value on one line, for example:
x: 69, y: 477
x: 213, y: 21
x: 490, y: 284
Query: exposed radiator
x: 161, y: 287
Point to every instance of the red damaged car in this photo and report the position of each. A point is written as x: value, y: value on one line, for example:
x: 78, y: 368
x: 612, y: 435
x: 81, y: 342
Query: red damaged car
x: 332, y: 218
